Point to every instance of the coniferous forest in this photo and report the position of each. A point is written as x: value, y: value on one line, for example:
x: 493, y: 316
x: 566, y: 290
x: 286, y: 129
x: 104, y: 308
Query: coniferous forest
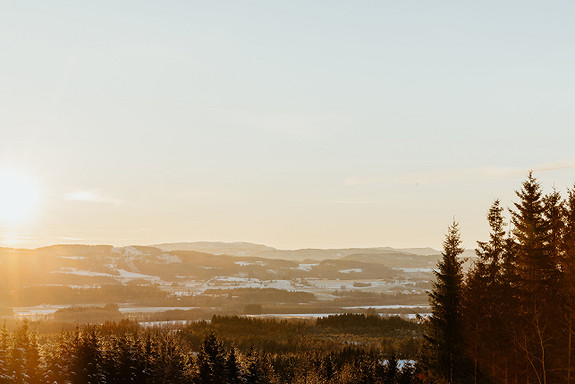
x: 507, y: 319
x: 510, y: 318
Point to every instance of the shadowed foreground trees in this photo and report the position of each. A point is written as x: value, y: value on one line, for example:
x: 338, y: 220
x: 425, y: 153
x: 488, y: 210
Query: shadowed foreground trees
x: 126, y: 353
x: 444, y: 355
x: 517, y: 300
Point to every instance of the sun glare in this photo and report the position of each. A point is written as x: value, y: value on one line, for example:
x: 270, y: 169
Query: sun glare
x: 19, y: 197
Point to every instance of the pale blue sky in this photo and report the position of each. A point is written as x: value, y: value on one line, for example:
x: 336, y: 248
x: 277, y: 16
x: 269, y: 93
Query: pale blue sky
x: 290, y: 123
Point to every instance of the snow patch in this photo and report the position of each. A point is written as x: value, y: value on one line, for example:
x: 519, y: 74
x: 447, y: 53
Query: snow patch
x: 294, y: 315
x: 164, y: 323
x: 39, y: 310
x: 169, y: 259
x: 306, y: 267
x: 351, y: 270
x: 80, y: 272
x: 73, y: 257
x: 412, y: 270
x: 247, y: 263
x: 392, y: 306
x: 152, y: 309
x: 131, y: 251
x: 133, y: 275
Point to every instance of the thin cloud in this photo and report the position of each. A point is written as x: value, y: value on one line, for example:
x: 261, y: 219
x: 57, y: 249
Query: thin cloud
x: 460, y: 174
x: 555, y: 166
x: 91, y: 197
x: 356, y: 201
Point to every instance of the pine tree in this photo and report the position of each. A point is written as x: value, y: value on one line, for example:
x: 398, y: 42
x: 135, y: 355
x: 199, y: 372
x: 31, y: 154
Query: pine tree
x: 211, y: 360
x: 127, y: 360
x: 4, y: 355
x: 491, y: 253
x: 232, y: 369
x: 58, y: 356
x: 19, y: 364
x: 554, y: 213
x: 170, y: 364
x: 444, y: 339
x: 487, y: 301
x: 34, y: 368
x: 568, y: 267
x: 86, y: 367
x: 391, y: 372
x: 252, y: 372
x: 534, y: 230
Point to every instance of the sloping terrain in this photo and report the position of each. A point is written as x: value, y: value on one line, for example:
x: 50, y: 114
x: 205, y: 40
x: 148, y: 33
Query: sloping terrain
x: 104, y: 264
x: 143, y: 276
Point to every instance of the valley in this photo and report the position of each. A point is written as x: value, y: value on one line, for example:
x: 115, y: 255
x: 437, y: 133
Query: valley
x: 163, y: 283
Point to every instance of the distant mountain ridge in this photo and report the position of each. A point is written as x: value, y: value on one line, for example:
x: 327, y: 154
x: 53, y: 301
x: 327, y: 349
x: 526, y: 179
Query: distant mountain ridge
x: 238, y: 248
x: 63, y: 274
x: 91, y: 265
x: 96, y: 265
x: 260, y: 250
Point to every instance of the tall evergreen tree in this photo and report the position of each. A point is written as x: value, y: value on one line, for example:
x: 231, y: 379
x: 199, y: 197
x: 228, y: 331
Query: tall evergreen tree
x: 4, y: 355
x: 568, y: 268
x: 554, y: 213
x: 86, y: 365
x: 491, y: 253
x: 487, y: 301
x: 34, y: 368
x: 170, y: 365
x: 232, y: 368
x: 211, y: 360
x: 535, y: 229
x: 444, y: 340
x: 532, y: 234
x: 253, y: 372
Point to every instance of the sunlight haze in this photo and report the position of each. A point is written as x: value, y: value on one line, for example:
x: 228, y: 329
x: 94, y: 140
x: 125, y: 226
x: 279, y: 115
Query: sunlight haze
x: 287, y: 123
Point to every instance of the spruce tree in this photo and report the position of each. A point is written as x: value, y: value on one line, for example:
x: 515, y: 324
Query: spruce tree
x: 537, y: 269
x: 4, y: 355
x: 444, y: 339
x: 532, y: 234
x: 170, y: 364
x: 34, y: 368
x: 487, y: 301
x: 86, y: 367
x: 211, y: 360
x: 232, y: 368
x: 252, y: 370
x: 568, y: 267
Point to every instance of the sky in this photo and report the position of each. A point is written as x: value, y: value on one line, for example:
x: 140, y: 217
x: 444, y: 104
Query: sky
x: 295, y: 124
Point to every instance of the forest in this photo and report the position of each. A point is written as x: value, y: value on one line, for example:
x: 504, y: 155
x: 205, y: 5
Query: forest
x: 507, y: 319
x: 223, y: 350
x: 510, y: 318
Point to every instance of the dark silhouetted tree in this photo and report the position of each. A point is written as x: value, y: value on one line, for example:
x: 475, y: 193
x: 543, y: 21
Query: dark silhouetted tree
x: 232, y: 368
x: 445, y: 354
x: 536, y: 231
x: 484, y: 300
x: 4, y: 355
x: 86, y: 365
x: 211, y: 360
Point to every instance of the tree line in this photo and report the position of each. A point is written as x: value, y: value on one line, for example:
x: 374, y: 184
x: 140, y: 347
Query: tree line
x: 124, y: 352
x: 510, y: 319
